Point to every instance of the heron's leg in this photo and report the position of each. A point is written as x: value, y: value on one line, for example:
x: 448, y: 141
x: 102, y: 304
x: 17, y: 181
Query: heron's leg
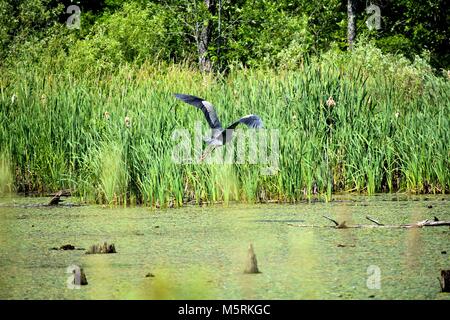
x: 208, y: 150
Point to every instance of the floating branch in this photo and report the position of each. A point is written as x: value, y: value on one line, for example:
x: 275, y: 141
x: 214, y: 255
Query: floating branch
x: 341, y: 225
x: 252, y: 263
x: 98, y: 248
x: 332, y: 220
x: 420, y: 224
x: 374, y: 221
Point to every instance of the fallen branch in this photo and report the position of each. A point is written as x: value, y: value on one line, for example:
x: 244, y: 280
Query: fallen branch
x: 342, y: 225
x: 374, y: 221
x: 332, y: 220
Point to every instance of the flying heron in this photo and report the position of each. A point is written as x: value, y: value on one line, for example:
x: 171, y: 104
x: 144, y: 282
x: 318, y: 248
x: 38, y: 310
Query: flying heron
x: 219, y: 135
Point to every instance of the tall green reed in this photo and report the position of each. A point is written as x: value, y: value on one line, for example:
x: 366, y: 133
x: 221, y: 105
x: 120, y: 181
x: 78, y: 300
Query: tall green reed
x: 109, y: 137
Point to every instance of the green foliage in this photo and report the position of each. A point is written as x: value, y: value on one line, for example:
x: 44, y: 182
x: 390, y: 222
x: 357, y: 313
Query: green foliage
x: 409, y: 27
x: 22, y: 23
x: 132, y: 34
x: 252, y: 33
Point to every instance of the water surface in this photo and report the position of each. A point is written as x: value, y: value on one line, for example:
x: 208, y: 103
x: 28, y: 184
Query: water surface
x: 200, y: 252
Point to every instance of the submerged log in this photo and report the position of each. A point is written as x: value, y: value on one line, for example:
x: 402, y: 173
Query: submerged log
x: 445, y: 280
x: 62, y: 193
x: 252, y: 263
x: 427, y: 223
x: 338, y: 225
x: 342, y: 225
x: 332, y: 220
x: 67, y: 247
x: 374, y: 221
x: 99, y: 249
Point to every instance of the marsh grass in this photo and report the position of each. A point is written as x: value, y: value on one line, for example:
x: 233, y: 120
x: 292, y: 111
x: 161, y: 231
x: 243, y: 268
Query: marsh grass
x: 388, y: 131
x: 6, y: 176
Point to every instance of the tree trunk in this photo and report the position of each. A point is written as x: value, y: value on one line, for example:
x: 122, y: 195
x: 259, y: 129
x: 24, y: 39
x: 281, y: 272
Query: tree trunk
x: 351, y: 27
x: 204, y: 38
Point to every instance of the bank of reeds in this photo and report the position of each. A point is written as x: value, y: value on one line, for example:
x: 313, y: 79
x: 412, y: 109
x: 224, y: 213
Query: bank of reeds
x: 109, y: 136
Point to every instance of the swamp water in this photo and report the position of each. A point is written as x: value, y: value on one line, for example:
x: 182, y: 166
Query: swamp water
x: 200, y: 252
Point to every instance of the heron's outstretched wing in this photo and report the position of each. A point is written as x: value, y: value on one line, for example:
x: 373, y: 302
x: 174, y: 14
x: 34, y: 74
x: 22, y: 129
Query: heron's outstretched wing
x: 252, y: 121
x: 205, y: 106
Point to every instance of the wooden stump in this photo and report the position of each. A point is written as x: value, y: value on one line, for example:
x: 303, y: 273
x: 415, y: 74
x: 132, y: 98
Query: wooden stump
x: 79, y: 277
x: 83, y: 279
x: 342, y: 225
x: 98, y: 248
x: 445, y: 280
x: 252, y: 263
x: 56, y: 199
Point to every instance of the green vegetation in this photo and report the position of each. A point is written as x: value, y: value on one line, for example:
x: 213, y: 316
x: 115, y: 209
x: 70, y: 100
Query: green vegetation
x: 388, y: 130
x: 92, y: 109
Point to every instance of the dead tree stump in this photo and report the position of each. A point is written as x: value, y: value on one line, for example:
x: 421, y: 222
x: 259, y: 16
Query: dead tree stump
x: 445, y: 280
x: 98, y: 248
x: 83, y: 279
x: 252, y: 263
x: 79, y: 277
x: 56, y: 199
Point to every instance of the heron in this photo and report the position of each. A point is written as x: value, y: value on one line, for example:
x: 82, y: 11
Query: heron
x: 219, y: 135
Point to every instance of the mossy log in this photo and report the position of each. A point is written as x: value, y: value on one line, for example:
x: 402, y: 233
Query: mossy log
x: 101, y: 248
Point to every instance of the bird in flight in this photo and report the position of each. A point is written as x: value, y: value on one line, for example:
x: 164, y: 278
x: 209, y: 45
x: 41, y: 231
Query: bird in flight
x: 219, y: 135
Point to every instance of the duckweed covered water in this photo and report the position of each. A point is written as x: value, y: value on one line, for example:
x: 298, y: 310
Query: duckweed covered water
x: 200, y: 252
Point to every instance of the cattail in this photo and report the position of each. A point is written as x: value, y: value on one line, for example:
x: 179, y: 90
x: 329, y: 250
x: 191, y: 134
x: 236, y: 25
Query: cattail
x: 330, y: 102
x: 127, y: 121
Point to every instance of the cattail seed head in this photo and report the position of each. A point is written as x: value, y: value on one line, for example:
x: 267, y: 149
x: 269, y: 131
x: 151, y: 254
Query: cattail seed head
x: 127, y: 121
x: 330, y: 102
